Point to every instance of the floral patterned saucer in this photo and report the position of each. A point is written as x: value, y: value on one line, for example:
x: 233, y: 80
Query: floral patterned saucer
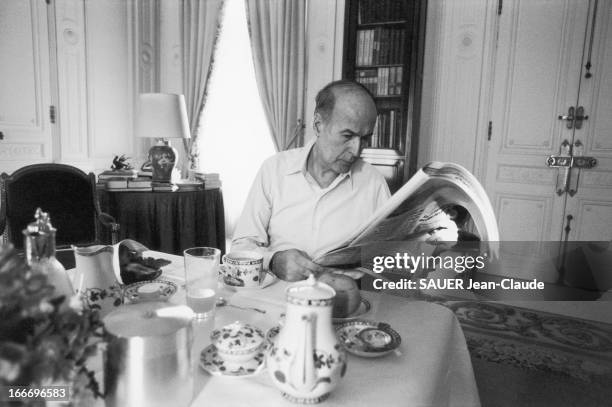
x: 363, y: 308
x: 216, y: 366
x: 368, y: 338
x: 232, y: 283
x: 154, y: 290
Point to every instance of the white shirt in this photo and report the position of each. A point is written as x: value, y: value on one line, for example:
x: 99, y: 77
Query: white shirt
x: 287, y: 209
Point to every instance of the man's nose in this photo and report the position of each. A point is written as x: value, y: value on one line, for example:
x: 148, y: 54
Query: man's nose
x: 355, y: 146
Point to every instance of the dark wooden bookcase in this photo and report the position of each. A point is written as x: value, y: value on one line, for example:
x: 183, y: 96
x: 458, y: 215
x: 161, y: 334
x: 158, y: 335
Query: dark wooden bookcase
x: 383, y: 50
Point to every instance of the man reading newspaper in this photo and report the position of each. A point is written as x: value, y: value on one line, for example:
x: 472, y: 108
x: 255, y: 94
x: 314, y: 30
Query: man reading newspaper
x: 308, y: 201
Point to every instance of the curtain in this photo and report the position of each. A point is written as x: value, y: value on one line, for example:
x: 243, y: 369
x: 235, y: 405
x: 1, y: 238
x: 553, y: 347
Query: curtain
x: 201, y: 25
x: 277, y: 31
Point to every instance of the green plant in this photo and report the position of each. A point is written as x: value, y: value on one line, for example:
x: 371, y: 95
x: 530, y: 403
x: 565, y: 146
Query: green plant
x: 44, y: 339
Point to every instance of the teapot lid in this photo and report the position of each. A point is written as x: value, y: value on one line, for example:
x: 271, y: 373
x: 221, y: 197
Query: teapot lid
x: 237, y: 337
x: 311, y: 292
x: 147, y: 320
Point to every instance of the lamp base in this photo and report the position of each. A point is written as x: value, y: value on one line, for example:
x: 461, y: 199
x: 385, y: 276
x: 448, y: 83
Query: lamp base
x: 163, y: 161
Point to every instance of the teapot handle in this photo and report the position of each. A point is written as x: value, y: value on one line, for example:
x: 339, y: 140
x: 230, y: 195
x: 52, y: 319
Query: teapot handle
x: 303, y: 372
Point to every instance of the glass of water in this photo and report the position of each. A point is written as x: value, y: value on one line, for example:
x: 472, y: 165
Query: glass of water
x: 201, y: 279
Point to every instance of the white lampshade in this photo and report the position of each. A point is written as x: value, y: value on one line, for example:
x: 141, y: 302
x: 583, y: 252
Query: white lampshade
x: 162, y: 115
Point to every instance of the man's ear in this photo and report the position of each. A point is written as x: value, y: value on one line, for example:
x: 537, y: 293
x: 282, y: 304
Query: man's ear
x: 316, y: 123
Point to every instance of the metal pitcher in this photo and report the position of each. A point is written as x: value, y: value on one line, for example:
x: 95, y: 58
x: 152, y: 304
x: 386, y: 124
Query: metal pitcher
x: 147, y: 357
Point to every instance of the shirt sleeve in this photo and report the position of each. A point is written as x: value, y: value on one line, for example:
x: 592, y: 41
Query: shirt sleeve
x: 382, y: 194
x: 251, y: 231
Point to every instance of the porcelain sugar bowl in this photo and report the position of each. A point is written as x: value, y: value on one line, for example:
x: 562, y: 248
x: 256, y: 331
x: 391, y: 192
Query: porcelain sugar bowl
x: 306, y: 361
x: 237, y: 342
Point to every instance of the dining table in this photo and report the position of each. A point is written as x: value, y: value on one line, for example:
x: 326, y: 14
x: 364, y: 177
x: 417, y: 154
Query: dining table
x: 431, y: 367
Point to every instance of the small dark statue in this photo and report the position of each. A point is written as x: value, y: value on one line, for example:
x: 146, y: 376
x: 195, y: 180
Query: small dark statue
x: 121, y: 164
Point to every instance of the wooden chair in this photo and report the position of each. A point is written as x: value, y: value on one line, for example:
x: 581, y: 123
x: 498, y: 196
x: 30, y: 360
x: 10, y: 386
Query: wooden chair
x: 66, y: 193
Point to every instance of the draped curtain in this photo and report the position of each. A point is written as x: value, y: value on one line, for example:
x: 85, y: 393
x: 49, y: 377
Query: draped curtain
x: 277, y: 32
x: 201, y: 25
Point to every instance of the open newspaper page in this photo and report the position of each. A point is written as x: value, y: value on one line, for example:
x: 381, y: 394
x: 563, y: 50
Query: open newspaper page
x: 418, y: 208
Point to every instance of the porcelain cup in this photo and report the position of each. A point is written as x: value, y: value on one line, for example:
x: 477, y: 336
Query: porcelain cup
x: 243, y: 268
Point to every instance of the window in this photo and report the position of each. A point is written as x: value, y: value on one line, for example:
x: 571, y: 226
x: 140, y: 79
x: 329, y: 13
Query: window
x: 234, y: 135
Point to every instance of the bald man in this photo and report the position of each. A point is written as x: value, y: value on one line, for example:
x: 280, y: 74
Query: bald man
x: 307, y: 201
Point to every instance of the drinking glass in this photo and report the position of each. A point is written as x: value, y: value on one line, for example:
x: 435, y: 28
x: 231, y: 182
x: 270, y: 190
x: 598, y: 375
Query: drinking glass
x: 201, y: 279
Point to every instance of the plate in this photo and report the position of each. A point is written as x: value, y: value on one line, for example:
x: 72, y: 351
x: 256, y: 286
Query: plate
x: 268, y: 280
x: 165, y: 290
x: 364, y: 306
x: 216, y: 366
x: 368, y: 338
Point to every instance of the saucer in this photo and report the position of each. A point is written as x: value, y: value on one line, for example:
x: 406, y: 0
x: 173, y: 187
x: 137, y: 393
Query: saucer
x: 268, y: 280
x: 213, y: 364
x: 165, y: 290
x: 364, y: 307
x: 368, y: 338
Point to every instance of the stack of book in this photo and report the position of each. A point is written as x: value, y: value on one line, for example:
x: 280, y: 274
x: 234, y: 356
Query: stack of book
x: 163, y: 186
x: 114, y: 179
x: 211, y: 180
x: 139, y: 184
x: 188, y: 185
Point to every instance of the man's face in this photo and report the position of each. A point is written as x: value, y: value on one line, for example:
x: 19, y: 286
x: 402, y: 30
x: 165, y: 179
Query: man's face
x: 342, y: 136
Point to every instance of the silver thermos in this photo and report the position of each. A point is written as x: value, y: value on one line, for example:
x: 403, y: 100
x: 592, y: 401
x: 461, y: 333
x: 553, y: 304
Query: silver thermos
x: 147, y: 359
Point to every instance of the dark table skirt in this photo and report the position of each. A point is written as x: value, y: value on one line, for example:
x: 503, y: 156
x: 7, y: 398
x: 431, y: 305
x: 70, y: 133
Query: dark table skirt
x: 168, y: 221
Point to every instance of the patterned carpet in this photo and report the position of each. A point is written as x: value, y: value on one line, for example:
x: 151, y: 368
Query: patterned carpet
x: 534, y: 340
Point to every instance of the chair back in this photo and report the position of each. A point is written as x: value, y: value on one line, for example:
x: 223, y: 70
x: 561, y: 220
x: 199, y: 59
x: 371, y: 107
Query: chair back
x: 65, y: 192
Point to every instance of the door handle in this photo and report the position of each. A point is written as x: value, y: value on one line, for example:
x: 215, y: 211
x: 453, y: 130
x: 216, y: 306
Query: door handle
x: 570, y: 157
x: 569, y: 117
x: 580, y: 117
x: 562, y: 162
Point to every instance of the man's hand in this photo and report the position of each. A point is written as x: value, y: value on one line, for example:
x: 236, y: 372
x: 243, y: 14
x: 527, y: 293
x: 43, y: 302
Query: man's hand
x: 293, y: 265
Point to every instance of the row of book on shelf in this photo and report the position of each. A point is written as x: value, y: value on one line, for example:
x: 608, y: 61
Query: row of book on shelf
x: 388, y: 130
x: 380, y: 46
x: 376, y: 11
x: 384, y: 81
x: 134, y: 181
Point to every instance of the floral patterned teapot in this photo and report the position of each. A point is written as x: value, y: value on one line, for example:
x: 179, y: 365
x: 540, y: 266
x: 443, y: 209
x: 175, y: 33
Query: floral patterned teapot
x: 306, y: 361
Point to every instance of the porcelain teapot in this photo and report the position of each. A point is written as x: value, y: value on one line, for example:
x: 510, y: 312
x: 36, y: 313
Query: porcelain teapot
x: 306, y: 361
x: 97, y: 280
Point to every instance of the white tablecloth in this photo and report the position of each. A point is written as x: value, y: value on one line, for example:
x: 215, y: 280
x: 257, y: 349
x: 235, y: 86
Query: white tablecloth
x: 433, y: 369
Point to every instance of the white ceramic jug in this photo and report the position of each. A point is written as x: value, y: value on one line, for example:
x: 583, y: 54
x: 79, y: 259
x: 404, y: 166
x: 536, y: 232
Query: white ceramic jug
x: 97, y: 278
x: 306, y: 361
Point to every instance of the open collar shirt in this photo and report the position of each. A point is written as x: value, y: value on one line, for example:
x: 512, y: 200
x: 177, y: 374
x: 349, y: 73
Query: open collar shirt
x: 287, y: 209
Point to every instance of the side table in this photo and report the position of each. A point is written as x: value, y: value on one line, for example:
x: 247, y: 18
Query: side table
x: 168, y: 221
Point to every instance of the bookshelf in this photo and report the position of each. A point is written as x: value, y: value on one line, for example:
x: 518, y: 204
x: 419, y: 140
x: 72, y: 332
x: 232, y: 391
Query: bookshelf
x: 383, y: 50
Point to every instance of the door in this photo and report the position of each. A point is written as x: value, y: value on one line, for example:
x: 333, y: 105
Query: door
x: 538, y: 77
x: 25, y: 96
x: 589, y: 200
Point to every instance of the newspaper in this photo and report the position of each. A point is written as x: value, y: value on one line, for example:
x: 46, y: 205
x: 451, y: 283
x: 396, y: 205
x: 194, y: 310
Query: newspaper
x: 418, y: 208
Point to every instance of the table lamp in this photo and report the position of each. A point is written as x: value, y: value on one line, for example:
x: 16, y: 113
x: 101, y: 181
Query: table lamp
x: 162, y: 116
